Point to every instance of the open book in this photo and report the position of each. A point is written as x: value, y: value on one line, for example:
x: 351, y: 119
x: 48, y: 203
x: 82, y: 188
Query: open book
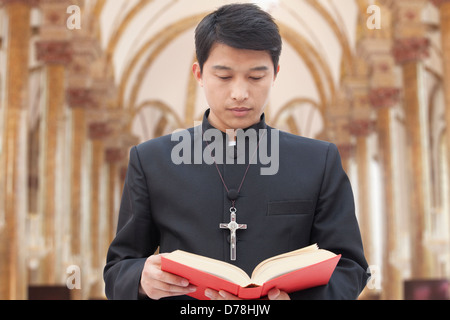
x: 293, y: 271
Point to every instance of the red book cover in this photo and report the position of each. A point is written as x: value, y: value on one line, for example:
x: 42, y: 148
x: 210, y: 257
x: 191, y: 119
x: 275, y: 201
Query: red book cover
x: 311, y: 276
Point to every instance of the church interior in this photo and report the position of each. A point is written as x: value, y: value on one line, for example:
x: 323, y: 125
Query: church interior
x: 82, y: 81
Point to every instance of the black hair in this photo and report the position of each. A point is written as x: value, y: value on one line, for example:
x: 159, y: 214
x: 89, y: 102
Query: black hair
x: 241, y: 26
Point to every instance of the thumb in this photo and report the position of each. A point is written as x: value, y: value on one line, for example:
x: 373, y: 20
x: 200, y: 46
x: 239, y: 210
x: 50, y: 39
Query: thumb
x: 276, y: 294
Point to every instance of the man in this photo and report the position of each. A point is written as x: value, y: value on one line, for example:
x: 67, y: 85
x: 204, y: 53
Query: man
x: 174, y: 204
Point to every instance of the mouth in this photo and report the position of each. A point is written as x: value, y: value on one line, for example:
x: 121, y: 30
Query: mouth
x: 240, y: 112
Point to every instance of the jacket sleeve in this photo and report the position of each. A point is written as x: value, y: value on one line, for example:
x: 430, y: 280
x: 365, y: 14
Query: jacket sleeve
x: 136, y: 238
x: 335, y: 228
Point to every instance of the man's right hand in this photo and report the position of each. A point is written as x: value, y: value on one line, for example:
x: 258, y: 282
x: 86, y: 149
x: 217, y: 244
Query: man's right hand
x: 157, y: 284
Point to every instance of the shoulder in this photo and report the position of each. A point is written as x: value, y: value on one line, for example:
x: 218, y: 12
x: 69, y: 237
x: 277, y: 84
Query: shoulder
x: 164, y: 143
x: 304, y: 144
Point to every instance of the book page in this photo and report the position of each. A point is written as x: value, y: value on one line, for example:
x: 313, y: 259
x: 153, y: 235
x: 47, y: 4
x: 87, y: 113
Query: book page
x: 310, y: 248
x: 212, y: 266
x: 288, y: 263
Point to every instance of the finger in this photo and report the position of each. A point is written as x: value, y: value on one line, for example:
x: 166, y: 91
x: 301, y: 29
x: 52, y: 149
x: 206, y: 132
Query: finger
x: 156, y: 259
x: 170, y: 278
x: 228, y: 296
x: 158, y: 294
x: 220, y: 295
x: 152, y: 269
x: 173, y: 289
x: 164, y: 286
x: 212, y: 294
x: 276, y: 294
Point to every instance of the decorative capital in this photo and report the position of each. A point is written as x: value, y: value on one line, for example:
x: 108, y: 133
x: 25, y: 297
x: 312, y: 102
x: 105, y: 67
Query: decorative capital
x: 54, y: 52
x: 346, y: 150
x: 438, y: 3
x: 114, y: 155
x: 31, y: 3
x: 361, y: 127
x: 81, y: 98
x: 99, y: 131
x: 384, y: 97
x: 411, y: 49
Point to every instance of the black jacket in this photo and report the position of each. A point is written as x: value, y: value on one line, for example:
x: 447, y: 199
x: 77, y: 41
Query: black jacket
x: 180, y: 206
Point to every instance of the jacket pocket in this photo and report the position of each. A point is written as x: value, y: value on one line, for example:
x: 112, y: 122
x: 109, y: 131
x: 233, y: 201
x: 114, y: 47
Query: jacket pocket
x: 275, y: 208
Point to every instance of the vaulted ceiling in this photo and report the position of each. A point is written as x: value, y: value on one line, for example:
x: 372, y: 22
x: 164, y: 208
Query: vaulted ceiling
x: 149, y: 44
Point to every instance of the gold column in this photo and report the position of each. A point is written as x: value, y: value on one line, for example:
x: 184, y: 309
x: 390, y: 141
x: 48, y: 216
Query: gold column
x: 55, y: 55
x: 376, y: 51
x: 411, y: 46
x: 117, y: 148
x: 383, y: 97
x: 382, y: 100
x: 444, y: 9
x: 98, y: 132
x: 361, y: 129
x: 338, y: 116
x: 54, y: 51
x: 12, y: 272
x: 78, y: 162
x: 113, y: 157
x: 80, y: 98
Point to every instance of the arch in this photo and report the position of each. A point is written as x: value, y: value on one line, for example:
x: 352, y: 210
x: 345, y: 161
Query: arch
x: 318, y: 68
x: 304, y: 49
x: 163, y: 37
x: 119, y: 31
x: 295, y: 103
x: 313, y: 61
x: 159, y: 105
x: 340, y: 35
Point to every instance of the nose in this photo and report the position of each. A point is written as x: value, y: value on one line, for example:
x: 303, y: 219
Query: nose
x: 239, y: 91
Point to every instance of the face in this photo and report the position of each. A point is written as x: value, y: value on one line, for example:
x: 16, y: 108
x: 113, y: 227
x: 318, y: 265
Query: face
x: 237, y: 85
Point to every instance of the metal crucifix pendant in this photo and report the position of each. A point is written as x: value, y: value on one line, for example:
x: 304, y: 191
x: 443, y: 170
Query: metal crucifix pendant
x: 233, y: 226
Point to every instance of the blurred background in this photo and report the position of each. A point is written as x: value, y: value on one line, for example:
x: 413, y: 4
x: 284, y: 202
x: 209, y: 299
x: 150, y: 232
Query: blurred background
x: 81, y: 81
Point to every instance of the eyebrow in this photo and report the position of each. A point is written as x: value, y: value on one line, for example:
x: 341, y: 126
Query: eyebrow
x: 260, y: 68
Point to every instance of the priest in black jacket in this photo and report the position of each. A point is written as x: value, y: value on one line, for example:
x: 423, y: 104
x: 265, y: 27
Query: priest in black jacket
x: 285, y: 191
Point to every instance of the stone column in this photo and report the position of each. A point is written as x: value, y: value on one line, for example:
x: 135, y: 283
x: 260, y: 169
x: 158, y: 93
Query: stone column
x: 383, y: 96
x: 376, y: 50
x: 54, y: 51
x: 444, y: 9
x: 383, y: 99
x: 54, y: 54
x: 360, y: 127
x: 114, y: 156
x: 411, y: 46
x: 338, y: 119
x: 13, y: 183
x: 98, y: 133
x: 117, y: 149
x: 81, y: 98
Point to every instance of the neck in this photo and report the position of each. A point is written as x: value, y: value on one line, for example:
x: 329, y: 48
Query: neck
x: 217, y: 123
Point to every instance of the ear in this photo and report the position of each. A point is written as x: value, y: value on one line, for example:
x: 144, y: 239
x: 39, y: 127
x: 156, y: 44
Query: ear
x: 196, y: 70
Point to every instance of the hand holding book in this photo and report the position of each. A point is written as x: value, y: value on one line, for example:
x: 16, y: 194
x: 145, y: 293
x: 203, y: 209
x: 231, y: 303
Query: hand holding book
x: 293, y: 271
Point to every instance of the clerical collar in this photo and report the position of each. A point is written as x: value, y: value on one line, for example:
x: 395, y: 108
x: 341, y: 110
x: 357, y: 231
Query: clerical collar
x: 207, y: 125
